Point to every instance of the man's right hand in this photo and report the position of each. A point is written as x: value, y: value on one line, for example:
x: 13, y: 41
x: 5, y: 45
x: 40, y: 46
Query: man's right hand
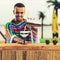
x: 18, y: 40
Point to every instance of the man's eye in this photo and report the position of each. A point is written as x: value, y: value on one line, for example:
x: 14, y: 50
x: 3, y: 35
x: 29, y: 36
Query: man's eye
x: 17, y: 12
x: 21, y: 12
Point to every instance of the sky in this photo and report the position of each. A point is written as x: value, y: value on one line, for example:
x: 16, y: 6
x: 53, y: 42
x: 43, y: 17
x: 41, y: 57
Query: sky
x: 32, y: 9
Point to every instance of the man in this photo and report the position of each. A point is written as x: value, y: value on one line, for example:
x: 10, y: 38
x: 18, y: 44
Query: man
x: 18, y: 24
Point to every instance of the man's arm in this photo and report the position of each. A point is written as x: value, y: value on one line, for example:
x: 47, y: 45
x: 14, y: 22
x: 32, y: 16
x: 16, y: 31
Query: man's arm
x: 18, y: 40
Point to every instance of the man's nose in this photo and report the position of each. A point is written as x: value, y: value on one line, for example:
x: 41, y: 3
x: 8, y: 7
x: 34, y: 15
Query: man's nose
x: 19, y: 14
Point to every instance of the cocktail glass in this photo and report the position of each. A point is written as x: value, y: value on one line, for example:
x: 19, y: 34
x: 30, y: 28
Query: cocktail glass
x: 24, y: 34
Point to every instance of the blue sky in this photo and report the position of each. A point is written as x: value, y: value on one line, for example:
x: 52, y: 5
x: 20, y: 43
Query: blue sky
x: 32, y: 8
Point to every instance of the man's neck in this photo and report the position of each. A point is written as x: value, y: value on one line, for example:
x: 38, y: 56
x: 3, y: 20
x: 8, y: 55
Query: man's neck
x: 17, y: 21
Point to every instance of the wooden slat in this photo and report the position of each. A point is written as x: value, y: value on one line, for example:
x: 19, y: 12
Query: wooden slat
x: 0, y: 55
x: 19, y: 54
x: 57, y: 55
x: 49, y: 55
x: 12, y: 54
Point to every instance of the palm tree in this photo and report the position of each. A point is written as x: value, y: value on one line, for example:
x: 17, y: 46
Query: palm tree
x: 41, y: 16
x: 3, y: 36
x: 56, y: 5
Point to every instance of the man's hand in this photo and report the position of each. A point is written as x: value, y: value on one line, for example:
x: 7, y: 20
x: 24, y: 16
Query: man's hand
x: 18, y: 40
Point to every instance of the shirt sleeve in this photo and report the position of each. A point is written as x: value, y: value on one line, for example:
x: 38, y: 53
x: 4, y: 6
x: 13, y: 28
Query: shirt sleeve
x: 8, y: 33
x: 12, y: 38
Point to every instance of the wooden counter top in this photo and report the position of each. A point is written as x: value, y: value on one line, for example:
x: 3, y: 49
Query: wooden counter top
x: 29, y: 46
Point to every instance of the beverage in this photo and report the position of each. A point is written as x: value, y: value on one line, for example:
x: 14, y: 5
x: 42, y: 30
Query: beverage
x: 24, y: 34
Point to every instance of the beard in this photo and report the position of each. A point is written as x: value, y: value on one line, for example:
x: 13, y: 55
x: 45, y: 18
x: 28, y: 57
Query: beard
x: 19, y: 18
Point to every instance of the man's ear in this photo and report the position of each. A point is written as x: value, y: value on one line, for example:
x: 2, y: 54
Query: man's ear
x: 13, y: 12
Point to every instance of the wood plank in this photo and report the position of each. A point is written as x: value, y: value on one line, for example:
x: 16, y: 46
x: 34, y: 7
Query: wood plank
x: 0, y: 55
x: 19, y: 55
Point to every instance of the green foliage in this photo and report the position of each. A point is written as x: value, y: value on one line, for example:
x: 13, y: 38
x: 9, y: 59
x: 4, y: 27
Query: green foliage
x: 51, y: 40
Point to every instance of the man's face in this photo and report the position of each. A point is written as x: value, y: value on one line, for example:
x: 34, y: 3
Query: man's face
x: 19, y: 13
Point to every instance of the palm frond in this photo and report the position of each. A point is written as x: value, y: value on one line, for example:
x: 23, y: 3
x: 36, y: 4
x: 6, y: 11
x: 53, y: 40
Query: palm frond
x: 41, y: 15
x: 50, y: 1
x: 50, y: 5
x: 55, y: 3
x: 55, y: 0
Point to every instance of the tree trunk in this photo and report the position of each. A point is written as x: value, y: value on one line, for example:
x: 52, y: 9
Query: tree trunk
x: 42, y: 29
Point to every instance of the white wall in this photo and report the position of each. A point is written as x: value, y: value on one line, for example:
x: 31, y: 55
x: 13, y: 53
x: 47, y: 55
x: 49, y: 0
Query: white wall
x: 32, y: 8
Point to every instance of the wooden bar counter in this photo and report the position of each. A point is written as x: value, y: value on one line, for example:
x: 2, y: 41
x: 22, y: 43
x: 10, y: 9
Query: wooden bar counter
x: 29, y: 52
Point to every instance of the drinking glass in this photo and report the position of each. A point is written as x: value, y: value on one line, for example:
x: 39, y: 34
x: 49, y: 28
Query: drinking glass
x: 24, y: 34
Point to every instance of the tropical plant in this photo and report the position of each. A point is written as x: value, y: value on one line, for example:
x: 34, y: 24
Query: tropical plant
x: 56, y: 5
x: 41, y: 16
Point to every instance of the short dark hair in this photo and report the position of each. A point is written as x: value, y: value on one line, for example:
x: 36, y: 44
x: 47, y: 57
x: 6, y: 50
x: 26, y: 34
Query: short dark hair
x: 19, y: 5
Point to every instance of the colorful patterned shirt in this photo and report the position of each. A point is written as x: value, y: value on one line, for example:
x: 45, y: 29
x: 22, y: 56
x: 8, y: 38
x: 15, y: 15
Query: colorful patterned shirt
x: 14, y: 29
